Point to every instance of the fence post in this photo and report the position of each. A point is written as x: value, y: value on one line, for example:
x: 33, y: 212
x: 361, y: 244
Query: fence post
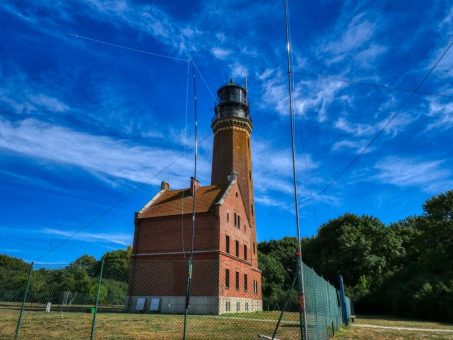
x: 327, y: 307
x: 23, y: 303
x: 93, y: 323
x: 343, y: 300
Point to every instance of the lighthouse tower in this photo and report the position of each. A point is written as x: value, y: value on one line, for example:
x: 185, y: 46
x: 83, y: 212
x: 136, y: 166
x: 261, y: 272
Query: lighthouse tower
x: 226, y: 278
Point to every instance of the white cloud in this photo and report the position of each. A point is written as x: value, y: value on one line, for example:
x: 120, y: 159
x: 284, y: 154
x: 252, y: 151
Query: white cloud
x: 356, y: 145
x: 220, y: 53
x: 441, y: 115
x: 357, y: 33
x: 369, y: 130
x: 354, y: 129
x: 368, y: 55
x: 354, y: 42
x: 272, y: 176
x: 50, y: 103
x: 309, y: 96
x: 238, y: 71
x: 23, y: 97
x: 123, y: 239
x: 97, y: 154
x: 428, y: 176
x: 271, y: 202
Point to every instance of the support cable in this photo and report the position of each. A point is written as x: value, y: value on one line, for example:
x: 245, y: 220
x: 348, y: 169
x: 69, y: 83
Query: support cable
x: 127, y: 48
x: 113, y: 206
x: 375, y: 85
x: 379, y: 133
x: 132, y: 49
x: 193, y: 188
x: 302, y: 310
x: 204, y: 81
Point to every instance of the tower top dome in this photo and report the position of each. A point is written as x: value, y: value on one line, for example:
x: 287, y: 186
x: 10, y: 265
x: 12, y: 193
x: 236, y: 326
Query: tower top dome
x: 232, y: 101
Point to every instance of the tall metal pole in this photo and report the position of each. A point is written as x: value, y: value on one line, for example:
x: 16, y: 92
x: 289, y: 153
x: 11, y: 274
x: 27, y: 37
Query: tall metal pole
x: 190, y: 264
x: 93, y: 323
x: 23, y: 303
x: 302, y: 311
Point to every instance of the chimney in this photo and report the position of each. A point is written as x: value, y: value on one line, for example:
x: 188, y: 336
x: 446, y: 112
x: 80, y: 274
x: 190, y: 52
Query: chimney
x: 164, y: 186
x: 194, y: 185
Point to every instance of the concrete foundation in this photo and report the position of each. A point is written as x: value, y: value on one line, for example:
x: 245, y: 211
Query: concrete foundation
x: 213, y: 305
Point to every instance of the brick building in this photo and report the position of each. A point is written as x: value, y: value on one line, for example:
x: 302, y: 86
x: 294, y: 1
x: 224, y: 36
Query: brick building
x: 226, y: 277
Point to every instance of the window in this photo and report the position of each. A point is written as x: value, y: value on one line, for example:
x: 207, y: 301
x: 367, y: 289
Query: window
x: 250, y: 174
x: 237, y: 280
x: 245, y: 283
x: 228, y: 217
x: 237, y: 195
x: 237, y: 248
x: 254, y: 248
x: 237, y: 221
x: 246, y: 306
x: 227, y: 306
x: 227, y: 244
x: 227, y: 278
x: 251, y: 206
x: 245, y: 252
x: 255, y: 287
x: 238, y: 306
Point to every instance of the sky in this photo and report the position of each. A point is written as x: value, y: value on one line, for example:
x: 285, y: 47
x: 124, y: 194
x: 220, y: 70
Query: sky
x: 88, y: 130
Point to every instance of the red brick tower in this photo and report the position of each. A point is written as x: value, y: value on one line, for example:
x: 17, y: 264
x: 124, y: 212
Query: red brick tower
x: 232, y: 127
x: 226, y: 275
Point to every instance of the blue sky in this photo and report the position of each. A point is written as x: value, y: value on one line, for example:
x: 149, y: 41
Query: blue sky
x: 87, y: 130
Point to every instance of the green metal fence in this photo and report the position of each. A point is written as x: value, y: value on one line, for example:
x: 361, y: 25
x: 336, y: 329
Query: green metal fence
x: 93, y: 300
x: 323, y: 305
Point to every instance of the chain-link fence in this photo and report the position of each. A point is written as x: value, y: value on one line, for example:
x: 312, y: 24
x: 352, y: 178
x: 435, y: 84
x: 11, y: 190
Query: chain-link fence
x: 146, y: 300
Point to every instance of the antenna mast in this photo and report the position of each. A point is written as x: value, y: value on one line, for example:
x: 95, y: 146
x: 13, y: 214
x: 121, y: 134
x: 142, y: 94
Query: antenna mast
x: 300, y: 272
x: 193, y: 187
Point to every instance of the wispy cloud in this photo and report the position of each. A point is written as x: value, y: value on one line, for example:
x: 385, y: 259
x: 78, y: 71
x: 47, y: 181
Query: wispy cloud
x: 368, y: 130
x: 123, y: 239
x: 97, y: 154
x: 352, y: 38
x: 356, y: 145
x: 355, y: 129
x: 428, y: 175
x: 272, y: 176
x: 23, y: 97
x: 220, y: 53
x: 311, y: 98
x: 441, y: 115
x: 238, y: 70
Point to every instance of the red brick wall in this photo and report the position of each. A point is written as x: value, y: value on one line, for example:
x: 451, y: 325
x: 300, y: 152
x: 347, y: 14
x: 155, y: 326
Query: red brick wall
x: 166, y: 234
x: 245, y: 235
x: 242, y: 268
x: 156, y: 272
x: 168, y: 277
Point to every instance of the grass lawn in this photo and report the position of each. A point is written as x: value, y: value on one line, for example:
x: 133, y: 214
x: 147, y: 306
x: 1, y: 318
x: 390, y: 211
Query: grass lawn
x: 74, y: 325
x: 360, y: 329
x: 66, y: 325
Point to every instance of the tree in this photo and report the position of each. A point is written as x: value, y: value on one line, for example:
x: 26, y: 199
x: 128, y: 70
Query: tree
x: 116, y: 264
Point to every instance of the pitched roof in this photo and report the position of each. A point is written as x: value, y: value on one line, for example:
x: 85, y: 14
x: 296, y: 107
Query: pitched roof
x: 175, y: 202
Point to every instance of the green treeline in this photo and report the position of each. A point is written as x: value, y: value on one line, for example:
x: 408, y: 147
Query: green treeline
x: 74, y: 284
x: 405, y: 268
